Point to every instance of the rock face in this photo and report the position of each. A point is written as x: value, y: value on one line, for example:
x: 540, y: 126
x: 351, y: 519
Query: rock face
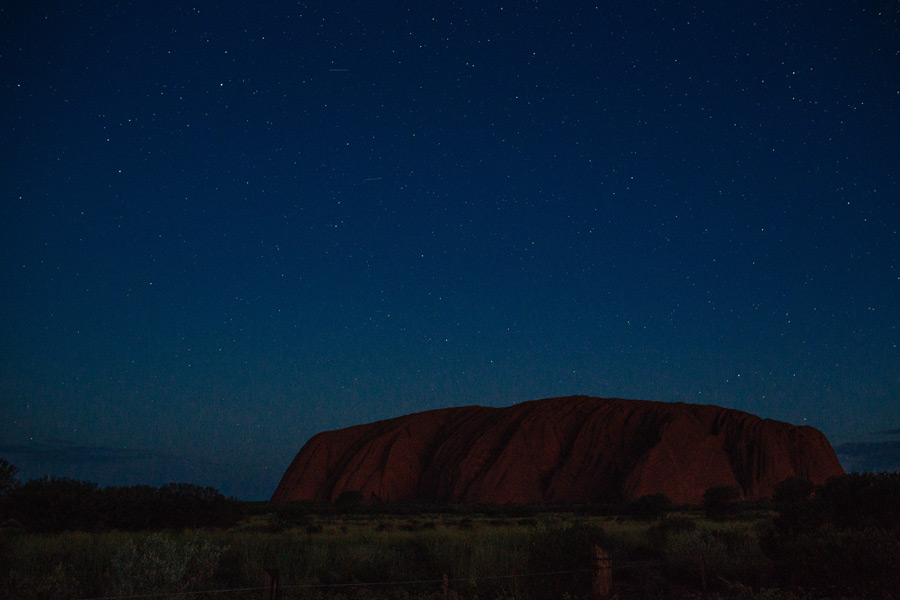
x: 574, y: 449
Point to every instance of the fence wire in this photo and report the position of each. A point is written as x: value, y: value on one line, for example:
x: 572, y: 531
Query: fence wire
x: 173, y: 594
x: 621, y: 565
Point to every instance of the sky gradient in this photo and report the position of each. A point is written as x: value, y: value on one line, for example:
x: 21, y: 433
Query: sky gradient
x: 228, y: 226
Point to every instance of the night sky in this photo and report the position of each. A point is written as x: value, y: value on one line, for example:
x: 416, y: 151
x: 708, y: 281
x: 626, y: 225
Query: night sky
x: 228, y: 226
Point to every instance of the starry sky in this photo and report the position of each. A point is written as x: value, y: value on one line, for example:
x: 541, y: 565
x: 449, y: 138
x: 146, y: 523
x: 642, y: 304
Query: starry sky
x: 227, y: 226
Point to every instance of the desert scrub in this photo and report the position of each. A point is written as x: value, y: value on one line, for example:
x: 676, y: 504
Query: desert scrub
x: 707, y: 555
x: 858, y: 562
x: 482, y: 560
x: 161, y: 564
x: 365, y: 554
x: 65, y: 565
x: 627, y: 539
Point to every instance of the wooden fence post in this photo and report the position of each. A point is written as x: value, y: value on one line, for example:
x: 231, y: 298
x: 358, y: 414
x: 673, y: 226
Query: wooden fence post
x: 272, y: 584
x: 601, y: 561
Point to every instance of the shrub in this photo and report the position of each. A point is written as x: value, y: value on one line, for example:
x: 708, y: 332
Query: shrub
x: 160, y: 565
x: 857, y: 501
x: 845, y: 536
x: 564, y: 547
x: 185, y: 505
x: 55, y: 504
x: 8, y: 479
x: 720, y: 500
x: 349, y: 501
x: 792, y: 490
x: 660, y: 534
x: 707, y: 556
x: 651, y: 506
x: 859, y: 562
x: 862, y: 500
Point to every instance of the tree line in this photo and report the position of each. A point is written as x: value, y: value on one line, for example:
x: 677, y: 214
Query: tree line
x: 51, y: 504
x: 860, y: 501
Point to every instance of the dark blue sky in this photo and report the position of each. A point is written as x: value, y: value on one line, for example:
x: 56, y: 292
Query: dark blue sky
x: 228, y: 226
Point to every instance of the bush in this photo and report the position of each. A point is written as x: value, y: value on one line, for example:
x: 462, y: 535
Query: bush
x: 792, y: 490
x: 720, y: 500
x: 651, y: 506
x: 160, y: 565
x: 659, y: 535
x: 860, y: 562
x: 8, y: 479
x: 61, y: 504
x: 55, y: 504
x: 846, y: 535
x: 563, y: 548
x: 705, y: 557
x: 862, y: 500
x: 349, y: 501
x: 857, y: 501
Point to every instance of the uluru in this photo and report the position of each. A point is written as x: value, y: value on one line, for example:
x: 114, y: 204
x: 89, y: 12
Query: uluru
x: 575, y: 449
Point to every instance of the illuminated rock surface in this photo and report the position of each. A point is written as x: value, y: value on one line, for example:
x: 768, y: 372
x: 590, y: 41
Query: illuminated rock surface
x: 574, y: 449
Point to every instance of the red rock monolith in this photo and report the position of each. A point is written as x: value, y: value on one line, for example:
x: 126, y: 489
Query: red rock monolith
x: 573, y: 449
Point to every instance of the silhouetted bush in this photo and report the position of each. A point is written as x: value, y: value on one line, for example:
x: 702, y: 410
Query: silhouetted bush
x: 55, y: 504
x: 651, y: 506
x: 410, y: 525
x: 862, y: 500
x: 300, y: 512
x: 184, y: 505
x: 564, y: 548
x: 519, y: 511
x: 792, y: 490
x: 62, y: 504
x: 8, y: 484
x: 721, y: 500
x: 349, y: 501
x: 845, y: 536
x: 857, y: 501
x: 8, y: 479
x: 662, y: 532
x: 858, y: 562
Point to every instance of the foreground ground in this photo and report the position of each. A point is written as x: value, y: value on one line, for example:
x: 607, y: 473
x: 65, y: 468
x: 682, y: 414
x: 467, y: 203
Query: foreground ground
x: 684, y: 555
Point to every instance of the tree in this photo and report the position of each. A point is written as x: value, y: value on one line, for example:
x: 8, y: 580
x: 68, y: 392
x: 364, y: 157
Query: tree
x: 55, y: 504
x: 185, y: 505
x: 8, y: 479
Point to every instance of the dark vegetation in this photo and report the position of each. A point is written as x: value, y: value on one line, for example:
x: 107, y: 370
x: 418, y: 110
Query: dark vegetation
x: 53, y: 504
x: 721, y: 501
x: 66, y: 538
x: 844, y: 535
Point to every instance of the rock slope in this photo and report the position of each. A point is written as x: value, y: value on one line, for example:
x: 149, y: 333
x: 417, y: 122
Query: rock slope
x: 574, y: 449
